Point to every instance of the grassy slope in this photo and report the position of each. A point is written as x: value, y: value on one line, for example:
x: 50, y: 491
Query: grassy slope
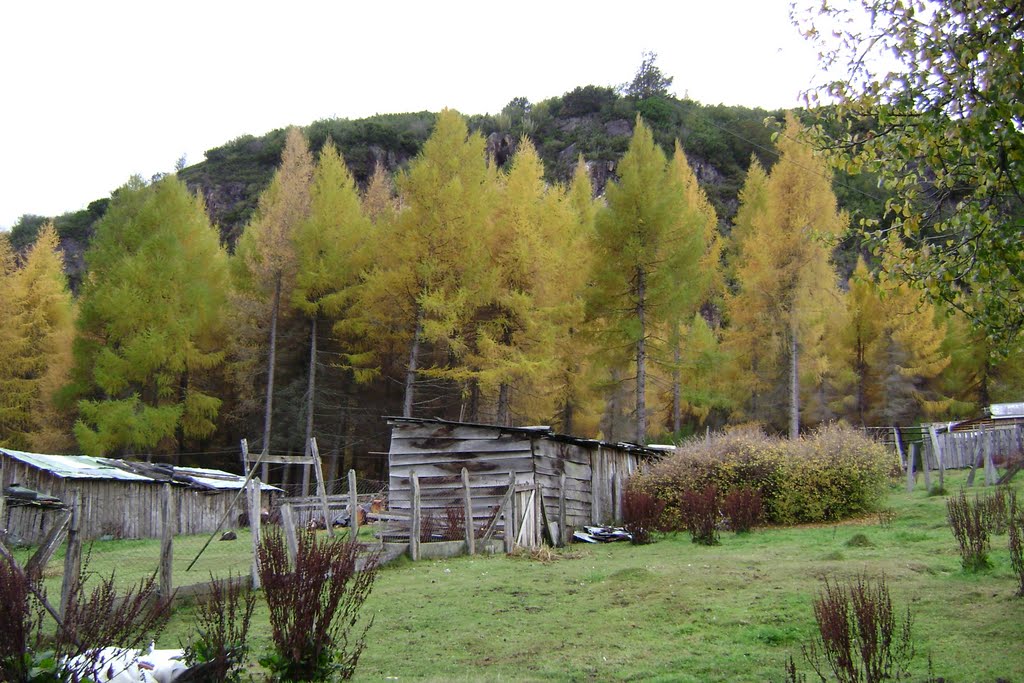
x: 680, y: 612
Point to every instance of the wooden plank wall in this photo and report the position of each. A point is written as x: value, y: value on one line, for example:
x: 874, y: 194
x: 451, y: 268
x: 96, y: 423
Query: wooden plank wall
x: 552, y: 459
x: 612, y: 468
x: 961, y: 449
x: 437, y: 453
x: 117, y: 508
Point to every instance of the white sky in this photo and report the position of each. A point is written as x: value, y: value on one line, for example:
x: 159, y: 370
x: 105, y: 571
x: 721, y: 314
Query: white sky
x: 94, y: 92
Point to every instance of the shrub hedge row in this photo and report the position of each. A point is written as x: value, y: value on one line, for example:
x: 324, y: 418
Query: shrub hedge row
x: 834, y: 473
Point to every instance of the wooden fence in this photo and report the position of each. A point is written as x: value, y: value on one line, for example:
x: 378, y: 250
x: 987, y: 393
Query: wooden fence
x: 967, y: 449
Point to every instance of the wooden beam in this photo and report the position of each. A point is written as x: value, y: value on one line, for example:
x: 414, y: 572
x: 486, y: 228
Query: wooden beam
x: 414, y: 528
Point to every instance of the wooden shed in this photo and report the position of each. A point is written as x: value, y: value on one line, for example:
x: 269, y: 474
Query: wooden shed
x: 531, y: 458
x: 118, y: 498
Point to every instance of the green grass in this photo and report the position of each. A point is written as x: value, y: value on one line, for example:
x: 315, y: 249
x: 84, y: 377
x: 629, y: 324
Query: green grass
x: 676, y: 611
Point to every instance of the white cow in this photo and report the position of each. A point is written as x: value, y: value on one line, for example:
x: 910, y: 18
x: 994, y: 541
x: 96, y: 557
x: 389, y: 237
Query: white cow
x: 124, y: 665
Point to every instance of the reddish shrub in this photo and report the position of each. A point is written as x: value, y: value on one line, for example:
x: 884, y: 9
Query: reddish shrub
x: 314, y: 607
x: 859, y: 638
x: 640, y: 514
x: 700, y: 515
x: 743, y: 508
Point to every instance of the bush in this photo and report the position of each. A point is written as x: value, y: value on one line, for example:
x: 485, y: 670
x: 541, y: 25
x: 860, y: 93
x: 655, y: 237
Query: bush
x: 454, y: 523
x: 835, y: 473
x: 858, y: 637
x: 92, y: 620
x: 640, y: 514
x: 314, y: 607
x: 970, y: 525
x: 700, y: 515
x: 222, y: 630
x: 743, y: 508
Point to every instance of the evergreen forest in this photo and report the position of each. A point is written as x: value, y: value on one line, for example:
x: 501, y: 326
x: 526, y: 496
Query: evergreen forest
x: 615, y: 263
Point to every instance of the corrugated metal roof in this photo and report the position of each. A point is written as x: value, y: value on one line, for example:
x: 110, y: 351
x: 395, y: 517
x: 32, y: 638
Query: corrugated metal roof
x: 88, y: 467
x: 217, y: 479
x: 74, y: 466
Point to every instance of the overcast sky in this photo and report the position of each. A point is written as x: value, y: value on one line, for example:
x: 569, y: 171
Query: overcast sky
x: 94, y: 92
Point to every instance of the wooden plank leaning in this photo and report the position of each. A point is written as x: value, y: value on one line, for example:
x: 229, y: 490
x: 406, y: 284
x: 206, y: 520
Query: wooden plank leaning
x: 502, y: 507
x: 37, y: 563
x: 321, y: 486
x: 291, y: 540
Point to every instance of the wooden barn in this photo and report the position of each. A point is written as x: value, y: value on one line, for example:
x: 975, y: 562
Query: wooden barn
x: 118, y: 498
x: 535, y: 459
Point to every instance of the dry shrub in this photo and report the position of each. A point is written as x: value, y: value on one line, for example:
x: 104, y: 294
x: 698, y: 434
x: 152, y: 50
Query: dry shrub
x: 969, y: 523
x: 640, y: 515
x: 834, y: 473
x: 454, y: 523
x: 95, y: 618
x: 743, y: 508
x: 220, y: 644
x: 314, y: 608
x: 859, y: 639
x: 700, y: 515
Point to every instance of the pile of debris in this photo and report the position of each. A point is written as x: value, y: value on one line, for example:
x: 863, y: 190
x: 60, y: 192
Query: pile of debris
x: 602, y: 534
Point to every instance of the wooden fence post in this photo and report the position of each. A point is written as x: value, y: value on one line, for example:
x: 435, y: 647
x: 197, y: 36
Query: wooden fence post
x: 288, y: 522
x: 166, y: 542
x: 414, y: 527
x: 990, y: 476
x: 911, y: 457
x: 926, y: 466
x: 321, y: 486
x: 510, y: 515
x: 353, y: 504
x: 939, y: 460
x: 72, y: 556
x: 254, y: 528
x: 899, y: 446
x: 563, y: 533
x: 467, y: 503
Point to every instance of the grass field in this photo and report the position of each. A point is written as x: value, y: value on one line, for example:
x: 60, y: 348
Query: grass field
x: 675, y: 611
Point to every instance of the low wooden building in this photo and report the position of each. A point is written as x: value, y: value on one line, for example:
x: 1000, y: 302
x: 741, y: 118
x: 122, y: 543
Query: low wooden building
x: 530, y: 458
x: 118, y: 498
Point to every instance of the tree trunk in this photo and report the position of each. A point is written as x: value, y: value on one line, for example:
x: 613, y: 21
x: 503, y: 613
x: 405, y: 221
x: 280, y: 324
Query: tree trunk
x: 271, y: 361
x: 504, y: 416
x: 310, y: 403
x: 410, y: 373
x: 677, y: 380
x: 794, y: 383
x: 641, y: 359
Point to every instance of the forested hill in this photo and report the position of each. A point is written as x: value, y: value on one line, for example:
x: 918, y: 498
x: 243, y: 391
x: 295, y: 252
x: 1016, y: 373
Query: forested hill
x: 593, y: 121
